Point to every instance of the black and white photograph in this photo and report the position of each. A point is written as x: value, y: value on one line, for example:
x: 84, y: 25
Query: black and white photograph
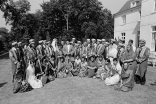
x: 77, y: 51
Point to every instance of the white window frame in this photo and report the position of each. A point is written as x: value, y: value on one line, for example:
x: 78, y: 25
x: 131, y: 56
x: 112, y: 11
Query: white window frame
x: 153, y: 47
x: 123, y: 19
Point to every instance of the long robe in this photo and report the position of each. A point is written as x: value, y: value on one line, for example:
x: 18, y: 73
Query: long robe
x: 141, y: 71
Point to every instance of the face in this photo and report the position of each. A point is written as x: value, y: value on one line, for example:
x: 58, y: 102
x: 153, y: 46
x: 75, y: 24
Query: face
x: 128, y: 48
x: 67, y: 42
x: 100, y: 58
x: 83, y: 59
x: 115, y: 62
x: 141, y: 44
x: 52, y: 58
x: 92, y: 58
x: 62, y: 42
x: 62, y: 59
x: 129, y: 43
x: 33, y: 45
x: 77, y: 57
x: 125, y: 66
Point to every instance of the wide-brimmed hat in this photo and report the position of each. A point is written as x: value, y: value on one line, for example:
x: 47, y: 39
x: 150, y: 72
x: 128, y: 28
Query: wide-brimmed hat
x: 121, y: 44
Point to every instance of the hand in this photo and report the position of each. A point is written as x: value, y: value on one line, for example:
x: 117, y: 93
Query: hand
x: 18, y: 64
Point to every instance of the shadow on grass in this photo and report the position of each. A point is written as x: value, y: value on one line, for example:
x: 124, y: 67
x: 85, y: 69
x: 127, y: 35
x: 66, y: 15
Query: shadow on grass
x: 2, y: 84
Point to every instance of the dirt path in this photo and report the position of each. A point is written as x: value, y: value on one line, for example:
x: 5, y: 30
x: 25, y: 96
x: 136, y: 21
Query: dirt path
x: 74, y: 91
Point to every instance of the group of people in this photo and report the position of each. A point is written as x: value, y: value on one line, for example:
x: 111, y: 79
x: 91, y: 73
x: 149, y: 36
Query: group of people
x: 115, y: 63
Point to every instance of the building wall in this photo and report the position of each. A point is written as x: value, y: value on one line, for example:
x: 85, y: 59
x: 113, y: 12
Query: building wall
x: 148, y: 19
x: 131, y: 27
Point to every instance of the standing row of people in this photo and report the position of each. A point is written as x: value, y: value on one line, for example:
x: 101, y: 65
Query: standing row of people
x: 92, y: 58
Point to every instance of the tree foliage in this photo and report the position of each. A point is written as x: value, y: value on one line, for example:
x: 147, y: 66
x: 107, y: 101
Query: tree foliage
x: 60, y: 19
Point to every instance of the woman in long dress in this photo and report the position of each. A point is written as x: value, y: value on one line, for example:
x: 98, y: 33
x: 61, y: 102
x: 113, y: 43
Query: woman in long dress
x: 77, y: 66
x: 83, y: 67
x: 114, y: 76
x: 32, y: 79
x: 101, y: 66
x: 61, y: 72
x: 92, y: 67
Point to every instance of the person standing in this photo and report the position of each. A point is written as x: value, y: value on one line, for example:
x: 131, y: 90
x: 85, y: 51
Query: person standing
x: 14, y: 57
x: 31, y: 52
x: 131, y: 44
x: 143, y: 53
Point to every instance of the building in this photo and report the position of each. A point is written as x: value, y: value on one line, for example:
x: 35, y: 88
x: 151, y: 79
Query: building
x: 137, y: 20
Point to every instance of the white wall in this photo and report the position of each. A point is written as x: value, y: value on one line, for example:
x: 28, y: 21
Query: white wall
x: 131, y: 27
x: 148, y: 19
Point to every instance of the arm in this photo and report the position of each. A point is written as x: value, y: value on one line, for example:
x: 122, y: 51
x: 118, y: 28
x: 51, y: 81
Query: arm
x: 146, y: 56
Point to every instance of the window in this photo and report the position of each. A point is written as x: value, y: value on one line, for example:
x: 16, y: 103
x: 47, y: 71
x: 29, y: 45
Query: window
x: 153, y: 42
x: 123, y: 36
x: 124, y: 20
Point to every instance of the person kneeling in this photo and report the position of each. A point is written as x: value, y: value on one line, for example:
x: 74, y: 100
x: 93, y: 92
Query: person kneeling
x: 127, y: 79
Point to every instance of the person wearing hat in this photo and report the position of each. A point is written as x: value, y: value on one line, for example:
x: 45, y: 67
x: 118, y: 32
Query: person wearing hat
x: 40, y: 50
x: 31, y: 52
x: 100, y: 49
x: 84, y: 49
x: 15, y: 60
x: 92, y: 66
x: 143, y: 53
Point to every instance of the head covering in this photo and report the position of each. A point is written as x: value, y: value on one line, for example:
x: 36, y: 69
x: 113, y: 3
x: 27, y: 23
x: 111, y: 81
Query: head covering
x: 73, y: 38
x: 88, y: 39
x: 142, y: 41
x: 93, y: 40
x: 19, y: 43
x: 79, y: 42
x: 40, y: 41
x: 103, y: 40
x: 14, y: 43
x: 120, y: 44
x: 47, y: 42
x: 31, y: 41
x: 106, y: 43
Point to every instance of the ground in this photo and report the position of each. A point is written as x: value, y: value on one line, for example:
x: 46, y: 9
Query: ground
x: 75, y: 90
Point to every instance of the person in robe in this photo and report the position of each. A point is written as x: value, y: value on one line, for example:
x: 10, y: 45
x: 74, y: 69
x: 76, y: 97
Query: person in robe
x: 20, y: 84
x: 130, y: 42
x: 77, y: 66
x: 106, y: 71
x: 127, y: 79
x: 68, y: 66
x: 100, y: 65
x: 15, y: 59
x: 51, y: 67
x: 129, y: 57
x: 61, y: 72
x: 92, y: 66
x: 83, y: 67
x: 114, y: 76
x: 31, y: 52
x: 143, y: 53
x: 100, y: 49
x: 84, y: 49
x: 121, y: 50
x: 32, y: 78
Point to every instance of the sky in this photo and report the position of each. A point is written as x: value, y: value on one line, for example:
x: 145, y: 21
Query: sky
x: 113, y: 5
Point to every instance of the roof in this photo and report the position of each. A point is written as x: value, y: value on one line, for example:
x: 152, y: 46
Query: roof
x: 128, y: 4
